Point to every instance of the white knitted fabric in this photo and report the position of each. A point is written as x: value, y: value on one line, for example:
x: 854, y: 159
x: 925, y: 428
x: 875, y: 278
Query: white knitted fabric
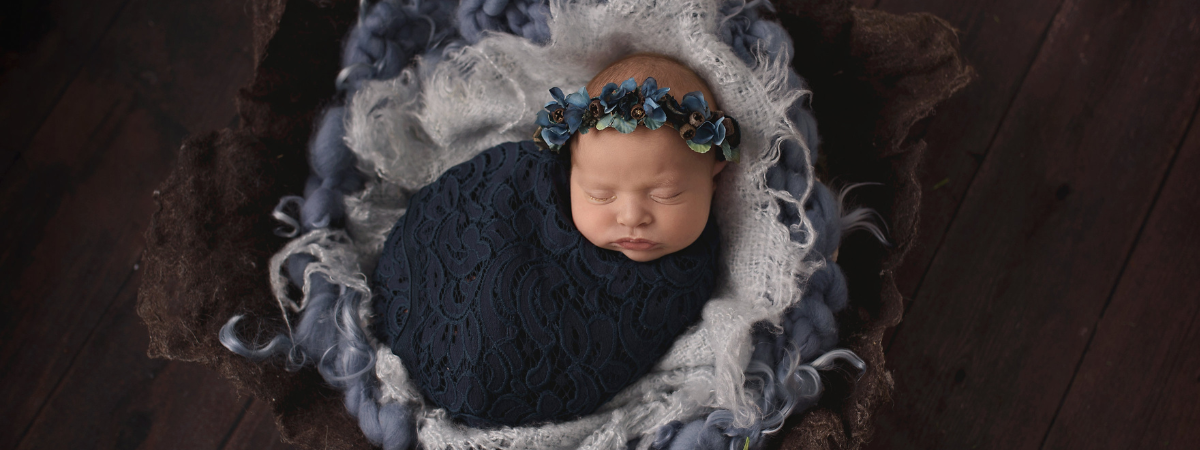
x: 409, y: 130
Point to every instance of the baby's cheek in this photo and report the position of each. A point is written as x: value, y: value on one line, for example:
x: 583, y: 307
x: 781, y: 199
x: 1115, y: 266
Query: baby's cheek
x: 587, y: 220
x: 688, y: 225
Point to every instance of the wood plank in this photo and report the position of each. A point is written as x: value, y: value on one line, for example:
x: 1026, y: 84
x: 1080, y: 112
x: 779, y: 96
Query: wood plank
x: 44, y: 47
x: 257, y: 431
x: 1137, y: 385
x: 1000, y: 40
x: 189, y: 59
x: 992, y: 340
x: 79, y: 200
x: 78, y: 234
x: 114, y: 396
x: 183, y: 55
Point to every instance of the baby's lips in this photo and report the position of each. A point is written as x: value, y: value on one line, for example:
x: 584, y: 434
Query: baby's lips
x: 635, y: 244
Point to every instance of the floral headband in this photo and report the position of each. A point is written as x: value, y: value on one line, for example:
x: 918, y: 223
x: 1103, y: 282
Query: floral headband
x: 624, y: 107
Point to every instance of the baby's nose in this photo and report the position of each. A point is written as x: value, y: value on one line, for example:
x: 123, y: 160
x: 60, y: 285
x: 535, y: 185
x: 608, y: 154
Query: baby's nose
x: 633, y: 214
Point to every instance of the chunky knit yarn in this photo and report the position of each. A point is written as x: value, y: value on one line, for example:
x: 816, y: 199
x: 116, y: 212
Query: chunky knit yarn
x: 504, y: 313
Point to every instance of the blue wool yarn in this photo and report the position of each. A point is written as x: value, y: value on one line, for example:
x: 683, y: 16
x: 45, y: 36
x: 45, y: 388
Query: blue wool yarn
x: 824, y: 212
x: 328, y: 336
x: 699, y: 434
x: 389, y: 34
x: 329, y: 154
x: 525, y: 18
x: 751, y: 37
x: 322, y: 209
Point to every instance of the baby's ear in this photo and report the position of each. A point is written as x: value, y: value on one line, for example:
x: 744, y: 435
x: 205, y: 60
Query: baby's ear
x: 718, y: 167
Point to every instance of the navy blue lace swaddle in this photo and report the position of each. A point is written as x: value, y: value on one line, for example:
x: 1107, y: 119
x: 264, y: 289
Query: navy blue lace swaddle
x: 503, y: 313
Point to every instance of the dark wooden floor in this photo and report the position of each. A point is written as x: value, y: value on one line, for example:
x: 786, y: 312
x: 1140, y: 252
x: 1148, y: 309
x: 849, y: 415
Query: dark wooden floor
x: 1052, y: 300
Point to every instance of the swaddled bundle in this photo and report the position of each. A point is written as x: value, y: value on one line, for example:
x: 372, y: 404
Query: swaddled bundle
x: 504, y: 314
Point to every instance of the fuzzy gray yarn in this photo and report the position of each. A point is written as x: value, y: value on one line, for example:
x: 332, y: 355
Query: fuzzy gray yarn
x: 324, y: 253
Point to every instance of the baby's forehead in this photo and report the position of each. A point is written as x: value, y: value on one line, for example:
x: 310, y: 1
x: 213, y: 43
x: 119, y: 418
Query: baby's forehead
x: 665, y: 71
x: 658, y: 165
x: 597, y: 177
x: 651, y: 161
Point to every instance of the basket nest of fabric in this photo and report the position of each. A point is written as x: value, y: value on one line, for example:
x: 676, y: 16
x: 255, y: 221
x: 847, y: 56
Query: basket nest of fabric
x: 874, y: 75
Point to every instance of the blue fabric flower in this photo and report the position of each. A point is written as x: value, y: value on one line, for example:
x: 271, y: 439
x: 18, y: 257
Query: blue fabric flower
x: 708, y: 135
x: 694, y: 101
x: 562, y: 116
x: 624, y: 106
x: 612, y: 96
x: 655, y: 115
x: 650, y: 89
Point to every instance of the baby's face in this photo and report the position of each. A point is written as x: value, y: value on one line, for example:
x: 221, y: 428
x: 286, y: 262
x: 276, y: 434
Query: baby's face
x: 644, y: 194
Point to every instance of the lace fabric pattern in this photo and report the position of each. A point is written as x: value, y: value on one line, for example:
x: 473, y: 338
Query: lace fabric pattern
x: 505, y: 315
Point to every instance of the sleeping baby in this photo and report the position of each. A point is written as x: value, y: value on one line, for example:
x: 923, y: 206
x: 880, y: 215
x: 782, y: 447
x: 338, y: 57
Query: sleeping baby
x: 535, y: 281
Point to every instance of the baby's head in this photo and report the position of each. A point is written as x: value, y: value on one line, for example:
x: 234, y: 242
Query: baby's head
x: 645, y: 194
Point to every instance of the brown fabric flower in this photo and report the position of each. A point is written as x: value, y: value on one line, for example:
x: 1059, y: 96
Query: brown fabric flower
x: 687, y: 131
x: 596, y: 108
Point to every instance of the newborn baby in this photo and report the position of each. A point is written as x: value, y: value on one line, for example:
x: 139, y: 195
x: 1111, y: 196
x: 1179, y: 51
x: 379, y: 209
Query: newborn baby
x: 535, y: 281
x: 644, y: 193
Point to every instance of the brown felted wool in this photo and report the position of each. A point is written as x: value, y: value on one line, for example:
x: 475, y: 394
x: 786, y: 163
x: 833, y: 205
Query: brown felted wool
x: 874, y: 75
x: 209, y: 244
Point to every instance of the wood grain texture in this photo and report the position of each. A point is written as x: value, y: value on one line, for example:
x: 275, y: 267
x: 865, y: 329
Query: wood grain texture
x: 1060, y: 311
x: 78, y: 200
x: 80, y: 214
x: 113, y: 396
x: 994, y: 336
x: 257, y: 431
x: 188, y: 59
x: 1000, y: 39
x: 1139, y: 383
x: 44, y: 46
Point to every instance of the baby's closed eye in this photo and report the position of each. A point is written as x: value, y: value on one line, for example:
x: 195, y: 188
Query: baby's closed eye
x: 600, y: 199
x: 667, y: 197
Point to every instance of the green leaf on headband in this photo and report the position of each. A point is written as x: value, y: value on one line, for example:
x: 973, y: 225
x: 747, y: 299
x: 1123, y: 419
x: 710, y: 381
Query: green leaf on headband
x: 699, y: 148
x: 605, y: 122
x: 624, y: 125
x: 729, y: 154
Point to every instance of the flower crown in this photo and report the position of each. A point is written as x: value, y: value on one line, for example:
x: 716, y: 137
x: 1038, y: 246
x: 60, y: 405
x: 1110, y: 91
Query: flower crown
x: 624, y: 107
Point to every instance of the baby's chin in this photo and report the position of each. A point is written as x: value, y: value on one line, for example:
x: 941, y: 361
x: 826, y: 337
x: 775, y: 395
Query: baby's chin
x: 637, y: 255
x: 644, y: 255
